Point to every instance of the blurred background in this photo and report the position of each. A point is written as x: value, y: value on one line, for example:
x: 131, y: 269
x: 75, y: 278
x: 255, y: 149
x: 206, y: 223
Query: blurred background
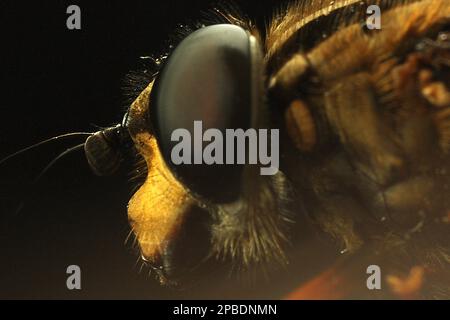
x: 53, y: 81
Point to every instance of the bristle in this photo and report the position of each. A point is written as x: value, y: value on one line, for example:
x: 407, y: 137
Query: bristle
x: 253, y: 233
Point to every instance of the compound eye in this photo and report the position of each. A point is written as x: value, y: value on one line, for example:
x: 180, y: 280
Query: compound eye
x: 214, y: 78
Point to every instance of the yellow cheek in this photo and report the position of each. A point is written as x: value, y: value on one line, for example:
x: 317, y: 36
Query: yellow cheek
x: 157, y: 209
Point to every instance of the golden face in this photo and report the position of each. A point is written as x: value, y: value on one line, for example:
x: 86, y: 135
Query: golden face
x: 365, y: 120
x: 156, y: 209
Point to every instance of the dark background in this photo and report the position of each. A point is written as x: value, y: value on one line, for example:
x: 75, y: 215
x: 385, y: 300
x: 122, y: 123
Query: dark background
x: 54, y: 81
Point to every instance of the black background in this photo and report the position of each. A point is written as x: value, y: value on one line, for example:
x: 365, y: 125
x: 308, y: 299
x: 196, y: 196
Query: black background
x: 54, y: 81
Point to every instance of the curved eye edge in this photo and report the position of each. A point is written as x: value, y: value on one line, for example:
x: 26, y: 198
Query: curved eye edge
x: 222, y: 85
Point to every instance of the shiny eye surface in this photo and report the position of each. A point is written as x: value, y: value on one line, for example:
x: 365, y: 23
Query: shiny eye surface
x: 213, y: 76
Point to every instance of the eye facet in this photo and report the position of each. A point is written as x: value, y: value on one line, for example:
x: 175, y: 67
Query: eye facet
x: 215, y: 75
